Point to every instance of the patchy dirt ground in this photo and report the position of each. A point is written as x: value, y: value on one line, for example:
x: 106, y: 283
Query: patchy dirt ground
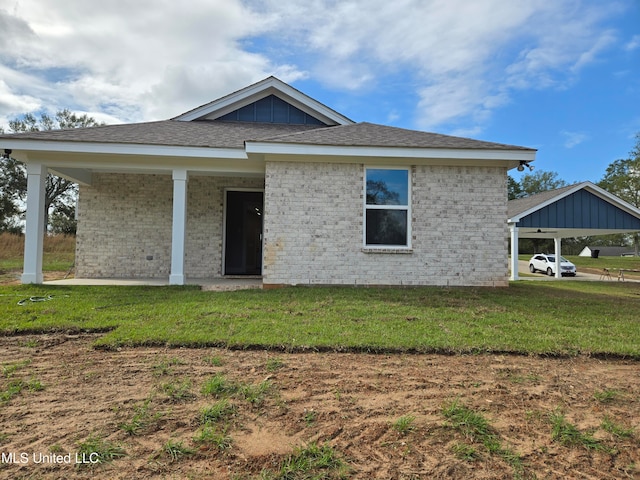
x: 350, y: 401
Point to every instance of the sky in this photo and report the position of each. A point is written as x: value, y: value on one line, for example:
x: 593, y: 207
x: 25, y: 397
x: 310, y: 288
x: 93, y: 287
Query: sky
x: 561, y: 76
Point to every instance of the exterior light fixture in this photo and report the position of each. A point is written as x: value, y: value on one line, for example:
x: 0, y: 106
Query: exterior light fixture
x: 523, y: 164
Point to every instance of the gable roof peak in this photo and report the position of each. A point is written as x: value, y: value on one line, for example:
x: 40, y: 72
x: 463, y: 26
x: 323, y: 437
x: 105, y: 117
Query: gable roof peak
x: 259, y: 90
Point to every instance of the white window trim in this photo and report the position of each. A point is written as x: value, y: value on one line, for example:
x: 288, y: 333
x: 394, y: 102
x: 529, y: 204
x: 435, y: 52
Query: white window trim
x: 386, y: 248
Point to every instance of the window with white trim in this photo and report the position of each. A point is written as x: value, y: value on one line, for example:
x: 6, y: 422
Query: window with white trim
x: 386, y: 209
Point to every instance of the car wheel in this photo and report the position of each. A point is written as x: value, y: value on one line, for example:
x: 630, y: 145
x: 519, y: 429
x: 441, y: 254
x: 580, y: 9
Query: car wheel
x: 532, y: 269
x: 550, y: 272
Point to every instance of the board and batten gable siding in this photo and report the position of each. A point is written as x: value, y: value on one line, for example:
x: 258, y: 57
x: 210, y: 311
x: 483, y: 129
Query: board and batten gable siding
x: 314, y: 221
x: 125, y: 221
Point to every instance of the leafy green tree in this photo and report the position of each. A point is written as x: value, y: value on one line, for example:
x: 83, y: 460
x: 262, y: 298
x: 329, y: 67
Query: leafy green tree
x: 622, y: 178
x: 61, y: 194
x: 541, y: 181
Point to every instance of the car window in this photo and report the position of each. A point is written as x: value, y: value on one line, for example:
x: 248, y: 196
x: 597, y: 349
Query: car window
x: 551, y: 259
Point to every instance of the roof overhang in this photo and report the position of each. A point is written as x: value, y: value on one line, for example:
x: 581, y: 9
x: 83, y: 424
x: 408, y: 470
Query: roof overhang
x: 346, y: 154
x: 77, y: 161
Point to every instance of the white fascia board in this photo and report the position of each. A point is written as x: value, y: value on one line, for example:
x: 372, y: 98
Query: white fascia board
x: 263, y: 89
x: 123, y: 149
x: 268, y: 148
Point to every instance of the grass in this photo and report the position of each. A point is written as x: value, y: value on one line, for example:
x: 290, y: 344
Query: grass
x: 58, y: 252
x: 319, y: 462
x: 99, y: 450
x: 404, y: 424
x: 477, y: 429
x: 555, y: 318
x: 568, y: 434
x: 142, y: 419
x: 175, y: 450
x: 218, y: 412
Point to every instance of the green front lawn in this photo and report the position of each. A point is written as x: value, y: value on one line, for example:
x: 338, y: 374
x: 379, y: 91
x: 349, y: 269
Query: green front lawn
x: 555, y: 318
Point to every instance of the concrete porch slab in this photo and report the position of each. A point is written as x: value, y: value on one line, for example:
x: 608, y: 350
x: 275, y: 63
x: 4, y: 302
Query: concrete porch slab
x: 207, y: 284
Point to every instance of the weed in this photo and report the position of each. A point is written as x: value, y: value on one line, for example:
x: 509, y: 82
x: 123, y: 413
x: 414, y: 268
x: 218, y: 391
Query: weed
x: 471, y: 424
x: 176, y: 450
x: 476, y: 428
x: 568, y: 434
x: 31, y: 343
x: 214, y: 360
x: 218, y: 386
x: 56, y: 448
x: 165, y: 366
x: 217, y: 412
x: 606, y: 396
x: 99, y: 450
x: 209, y: 435
x: 255, y: 394
x: 8, y: 369
x: 274, y: 364
x: 404, y: 424
x: 178, y: 391
x: 312, y: 462
x: 13, y: 388
x: 614, y: 428
x: 465, y: 452
x: 309, y: 417
x: 35, y: 385
x: 142, y: 418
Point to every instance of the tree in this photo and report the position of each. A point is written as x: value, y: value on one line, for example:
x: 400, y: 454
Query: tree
x: 61, y: 194
x: 622, y: 179
x: 540, y: 181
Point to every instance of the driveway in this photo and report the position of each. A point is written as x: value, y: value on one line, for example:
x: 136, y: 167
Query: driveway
x: 523, y: 268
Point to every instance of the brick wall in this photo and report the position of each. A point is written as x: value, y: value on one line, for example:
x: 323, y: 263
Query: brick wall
x: 313, y: 227
x: 124, y: 225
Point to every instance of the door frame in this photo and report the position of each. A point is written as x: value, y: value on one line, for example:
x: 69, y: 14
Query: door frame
x: 224, y: 226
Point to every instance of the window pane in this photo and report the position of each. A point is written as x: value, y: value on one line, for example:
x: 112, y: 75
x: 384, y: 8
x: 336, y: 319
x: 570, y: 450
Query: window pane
x: 386, y: 227
x: 387, y: 187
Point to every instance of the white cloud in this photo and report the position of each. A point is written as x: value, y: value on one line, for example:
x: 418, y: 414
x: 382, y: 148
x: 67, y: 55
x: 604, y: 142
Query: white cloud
x: 573, y: 139
x: 152, y: 59
x: 633, y: 44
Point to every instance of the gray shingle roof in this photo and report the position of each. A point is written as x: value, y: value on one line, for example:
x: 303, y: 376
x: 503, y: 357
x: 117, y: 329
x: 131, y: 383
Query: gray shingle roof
x: 168, y: 132
x: 372, y: 135
x: 519, y: 205
x: 218, y: 134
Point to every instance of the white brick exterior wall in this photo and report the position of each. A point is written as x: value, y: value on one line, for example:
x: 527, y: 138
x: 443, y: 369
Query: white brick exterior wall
x: 313, y: 227
x: 126, y: 219
x: 314, y: 222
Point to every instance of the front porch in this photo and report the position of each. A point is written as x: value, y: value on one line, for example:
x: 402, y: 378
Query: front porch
x: 207, y: 284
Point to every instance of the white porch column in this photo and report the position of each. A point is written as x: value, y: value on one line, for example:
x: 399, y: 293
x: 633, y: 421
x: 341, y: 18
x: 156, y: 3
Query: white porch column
x: 557, y: 243
x: 178, y: 234
x: 514, y: 251
x: 34, y: 229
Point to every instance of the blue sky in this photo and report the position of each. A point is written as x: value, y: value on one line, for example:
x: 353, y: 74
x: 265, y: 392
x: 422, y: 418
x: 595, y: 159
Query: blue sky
x: 560, y: 76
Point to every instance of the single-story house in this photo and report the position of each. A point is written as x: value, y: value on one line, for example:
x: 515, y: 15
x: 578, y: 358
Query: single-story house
x: 269, y: 182
x: 590, y: 251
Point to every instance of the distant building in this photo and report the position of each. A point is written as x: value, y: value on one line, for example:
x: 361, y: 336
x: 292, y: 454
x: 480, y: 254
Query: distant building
x: 589, y: 251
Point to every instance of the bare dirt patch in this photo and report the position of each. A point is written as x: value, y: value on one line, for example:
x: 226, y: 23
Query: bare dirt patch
x: 140, y: 399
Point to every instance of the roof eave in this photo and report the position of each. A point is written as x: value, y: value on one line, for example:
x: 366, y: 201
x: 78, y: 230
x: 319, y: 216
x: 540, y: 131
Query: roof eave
x: 513, y: 157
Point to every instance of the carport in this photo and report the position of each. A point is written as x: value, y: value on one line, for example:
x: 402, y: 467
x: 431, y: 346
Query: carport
x: 579, y: 210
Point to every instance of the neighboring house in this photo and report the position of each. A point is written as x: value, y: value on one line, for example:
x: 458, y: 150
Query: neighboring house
x: 267, y: 181
x: 589, y: 251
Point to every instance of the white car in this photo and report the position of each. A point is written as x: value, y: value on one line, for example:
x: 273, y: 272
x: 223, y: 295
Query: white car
x: 547, y: 264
